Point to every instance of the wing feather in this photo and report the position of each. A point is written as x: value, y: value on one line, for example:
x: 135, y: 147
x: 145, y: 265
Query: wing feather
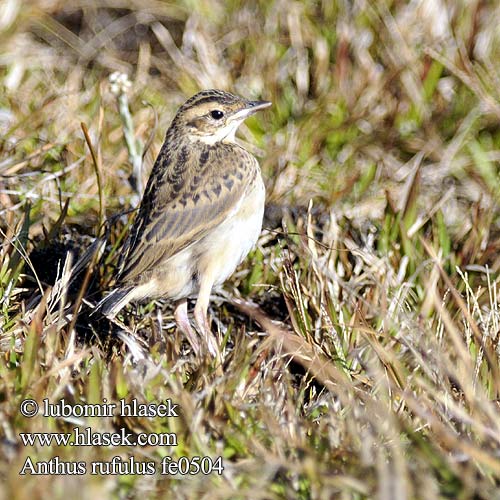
x: 190, y: 191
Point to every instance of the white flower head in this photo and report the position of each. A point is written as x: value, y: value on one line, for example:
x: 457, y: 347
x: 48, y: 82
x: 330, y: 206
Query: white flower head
x: 120, y: 83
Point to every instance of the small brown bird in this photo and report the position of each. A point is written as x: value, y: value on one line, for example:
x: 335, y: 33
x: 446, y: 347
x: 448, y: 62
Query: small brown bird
x: 200, y: 215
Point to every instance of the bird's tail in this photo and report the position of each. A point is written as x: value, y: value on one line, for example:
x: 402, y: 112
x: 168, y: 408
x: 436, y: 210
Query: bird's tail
x: 114, y: 302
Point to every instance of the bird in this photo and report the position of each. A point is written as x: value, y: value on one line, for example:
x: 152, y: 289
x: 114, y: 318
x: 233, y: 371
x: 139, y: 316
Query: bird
x: 200, y: 215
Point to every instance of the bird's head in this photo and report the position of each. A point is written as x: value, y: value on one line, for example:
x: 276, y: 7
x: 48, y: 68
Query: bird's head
x: 214, y: 115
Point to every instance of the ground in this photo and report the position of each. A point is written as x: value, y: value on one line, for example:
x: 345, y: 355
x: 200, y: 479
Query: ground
x: 360, y: 339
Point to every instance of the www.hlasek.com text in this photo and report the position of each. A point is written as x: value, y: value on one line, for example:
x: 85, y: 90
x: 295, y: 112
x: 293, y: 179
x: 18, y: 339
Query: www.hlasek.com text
x: 85, y: 437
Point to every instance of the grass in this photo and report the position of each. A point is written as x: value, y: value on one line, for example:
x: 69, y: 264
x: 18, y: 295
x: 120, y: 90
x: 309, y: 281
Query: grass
x: 361, y: 337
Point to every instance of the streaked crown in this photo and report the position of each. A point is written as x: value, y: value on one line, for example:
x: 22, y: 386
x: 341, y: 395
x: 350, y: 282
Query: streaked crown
x: 214, y: 115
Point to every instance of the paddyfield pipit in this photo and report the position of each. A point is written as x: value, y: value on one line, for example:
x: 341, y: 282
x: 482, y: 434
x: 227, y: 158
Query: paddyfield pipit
x: 200, y: 215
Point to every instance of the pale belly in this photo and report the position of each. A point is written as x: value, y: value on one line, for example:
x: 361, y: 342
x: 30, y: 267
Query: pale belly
x: 216, y: 256
x: 226, y: 247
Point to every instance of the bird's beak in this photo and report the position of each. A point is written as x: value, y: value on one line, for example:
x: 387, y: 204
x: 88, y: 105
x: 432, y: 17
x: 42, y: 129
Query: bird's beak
x: 250, y: 108
x: 254, y: 106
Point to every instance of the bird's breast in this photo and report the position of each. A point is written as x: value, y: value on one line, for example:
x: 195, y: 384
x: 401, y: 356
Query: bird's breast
x: 229, y: 243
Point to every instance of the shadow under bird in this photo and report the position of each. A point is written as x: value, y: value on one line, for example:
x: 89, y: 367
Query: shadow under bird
x: 200, y: 215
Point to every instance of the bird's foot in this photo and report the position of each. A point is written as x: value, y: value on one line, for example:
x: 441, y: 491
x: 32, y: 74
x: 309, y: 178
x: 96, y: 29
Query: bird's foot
x: 206, y: 332
x: 182, y: 320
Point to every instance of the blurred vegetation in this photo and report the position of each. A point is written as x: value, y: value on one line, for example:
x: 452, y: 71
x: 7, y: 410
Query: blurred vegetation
x: 370, y: 368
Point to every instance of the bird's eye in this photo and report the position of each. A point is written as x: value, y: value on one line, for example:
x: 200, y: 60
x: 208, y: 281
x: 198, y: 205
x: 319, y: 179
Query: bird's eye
x: 216, y: 114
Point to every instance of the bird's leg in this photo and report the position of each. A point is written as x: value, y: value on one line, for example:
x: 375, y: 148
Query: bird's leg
x: 182, y: 320
x: 200, y: 315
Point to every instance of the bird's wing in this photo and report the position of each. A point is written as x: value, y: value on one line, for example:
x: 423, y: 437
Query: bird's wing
x: 189, y: 192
